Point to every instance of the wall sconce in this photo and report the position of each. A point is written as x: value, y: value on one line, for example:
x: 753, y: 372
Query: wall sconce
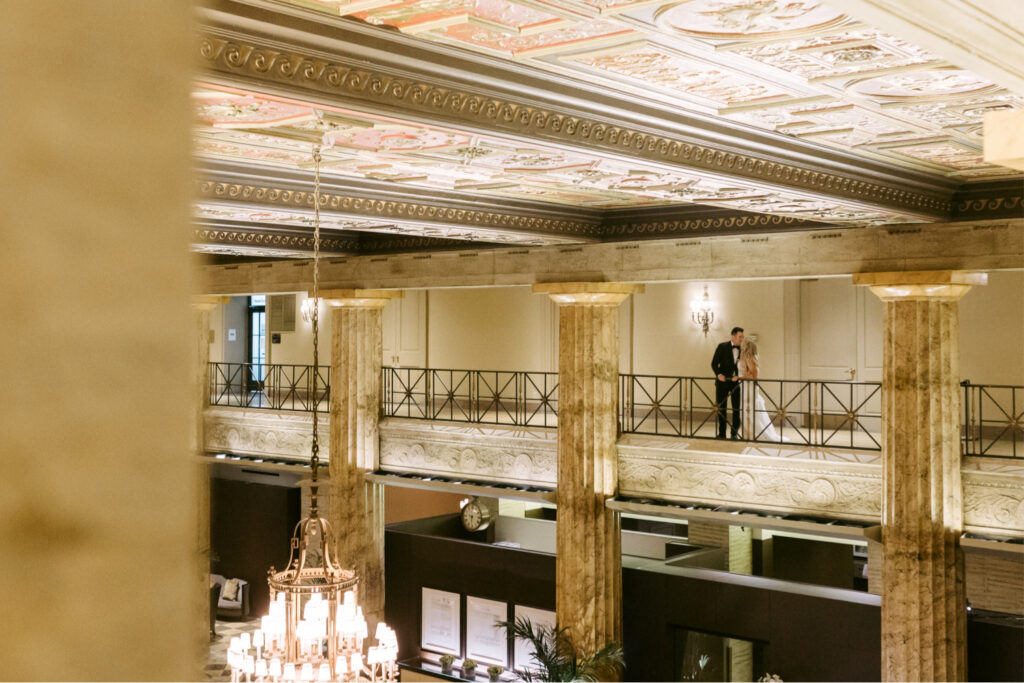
x: 307, y: 309
x: 702, y: 313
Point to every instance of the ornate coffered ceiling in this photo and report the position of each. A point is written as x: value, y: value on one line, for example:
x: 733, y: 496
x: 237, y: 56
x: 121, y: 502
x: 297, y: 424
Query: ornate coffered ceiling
x: 567, y: 115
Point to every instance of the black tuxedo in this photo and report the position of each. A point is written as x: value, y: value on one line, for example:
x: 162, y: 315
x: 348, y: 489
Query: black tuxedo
x: 724, y: 364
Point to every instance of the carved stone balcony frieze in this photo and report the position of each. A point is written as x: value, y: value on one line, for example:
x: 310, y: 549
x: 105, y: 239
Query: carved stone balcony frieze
x: 500, y: 455
x: 787, y: 479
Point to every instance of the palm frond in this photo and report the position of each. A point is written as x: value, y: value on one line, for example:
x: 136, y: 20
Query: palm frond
x: 557, y: 656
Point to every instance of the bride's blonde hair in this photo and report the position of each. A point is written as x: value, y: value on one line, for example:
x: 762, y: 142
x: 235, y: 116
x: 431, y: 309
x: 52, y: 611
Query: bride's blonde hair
x: 748, y: 352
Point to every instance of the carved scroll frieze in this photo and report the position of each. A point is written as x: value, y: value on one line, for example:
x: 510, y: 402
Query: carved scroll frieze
x: 263, y: 433
x: 507, y: 455
x: 212, y: 190
x: 994, y: 501
x: 822, y: 488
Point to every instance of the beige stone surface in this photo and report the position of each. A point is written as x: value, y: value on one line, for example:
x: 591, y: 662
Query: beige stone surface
x: 286, y: 435
x: 923, y: 603
x: 357, y: 506
x: 1004, y: 138
x: 510, y: 455
x: 97, y: 509
x: 975, y: 245
x: 588, y: 578
x: 706, y: 475
x: 201, y: 310
x: 994, y: 580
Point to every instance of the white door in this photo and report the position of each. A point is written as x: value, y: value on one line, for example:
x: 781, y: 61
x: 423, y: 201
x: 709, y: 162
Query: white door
x: 405, y: 330
x: 840, y: 342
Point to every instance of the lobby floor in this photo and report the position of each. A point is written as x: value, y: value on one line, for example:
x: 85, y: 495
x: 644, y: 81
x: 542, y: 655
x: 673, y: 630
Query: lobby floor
x: 217, y: 668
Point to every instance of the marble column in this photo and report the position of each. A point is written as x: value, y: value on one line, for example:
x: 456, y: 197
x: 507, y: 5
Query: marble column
x: 202, y: 308
x: 357, y: 506
x: 588, y: 578
x: 923, y: 604
x: 96, y: 509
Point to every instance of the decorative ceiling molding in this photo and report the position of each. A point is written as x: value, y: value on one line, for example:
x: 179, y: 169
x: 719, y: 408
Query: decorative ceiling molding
x: 389, y: 210
x: 607, y: 122
x: 295, y: 241
x: 729, y: 224
x: 996, y: 199
x: 274, y: 209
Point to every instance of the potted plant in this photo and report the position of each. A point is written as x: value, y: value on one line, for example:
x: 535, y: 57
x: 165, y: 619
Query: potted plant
x: 559, y: 659
x: 493, y: 672
x: 469, y: 669
x: 446, y: 663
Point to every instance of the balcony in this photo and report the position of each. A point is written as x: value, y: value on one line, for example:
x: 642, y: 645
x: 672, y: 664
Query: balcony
x: 814, y: 414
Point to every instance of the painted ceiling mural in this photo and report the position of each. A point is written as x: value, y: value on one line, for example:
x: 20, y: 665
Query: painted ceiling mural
x: 263, y: 130
x: 798, y: 67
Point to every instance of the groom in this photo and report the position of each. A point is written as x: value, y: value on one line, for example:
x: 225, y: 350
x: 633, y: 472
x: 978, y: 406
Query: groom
x: 727, y: 354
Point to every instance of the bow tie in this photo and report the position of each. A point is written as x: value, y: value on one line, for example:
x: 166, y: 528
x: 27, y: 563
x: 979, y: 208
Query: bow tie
x: 735, y: 347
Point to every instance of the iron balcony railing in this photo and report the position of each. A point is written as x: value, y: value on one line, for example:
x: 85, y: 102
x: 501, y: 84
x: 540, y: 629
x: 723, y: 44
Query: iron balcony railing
x: 801, y: 412
x: 528, y: 399
x: 274, y: 387
x: 993, y: 419
x: 817, y: 413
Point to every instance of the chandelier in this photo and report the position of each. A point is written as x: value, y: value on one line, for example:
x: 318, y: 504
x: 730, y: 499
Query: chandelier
x: 315, y: 629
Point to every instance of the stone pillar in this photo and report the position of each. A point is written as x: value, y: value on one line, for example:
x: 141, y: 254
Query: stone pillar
x: 96, y: 509
x: 589, y: 556
x: 202, y: 307
x: 923, y: 604
x: 357, y: 506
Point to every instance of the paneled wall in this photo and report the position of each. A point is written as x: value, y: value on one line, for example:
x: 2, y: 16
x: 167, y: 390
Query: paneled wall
x: 297, y: 347
x: 811, y: 329
x: 508, y: 328
x: 666, y: 341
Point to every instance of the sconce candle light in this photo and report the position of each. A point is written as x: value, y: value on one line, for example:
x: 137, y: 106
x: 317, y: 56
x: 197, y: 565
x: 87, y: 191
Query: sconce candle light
x: 702, y: 312
x: 307, y: 309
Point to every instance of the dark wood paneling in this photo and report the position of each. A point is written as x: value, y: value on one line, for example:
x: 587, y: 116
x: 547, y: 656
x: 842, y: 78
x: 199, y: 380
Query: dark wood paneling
x: 800, y: 637
x: 250, y: 527
x: 995, y: 649
x: 417, y: 556
x: 808, y: 561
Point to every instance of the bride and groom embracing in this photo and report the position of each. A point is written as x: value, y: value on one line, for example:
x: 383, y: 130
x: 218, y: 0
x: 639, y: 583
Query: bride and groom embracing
x: 736, y: 360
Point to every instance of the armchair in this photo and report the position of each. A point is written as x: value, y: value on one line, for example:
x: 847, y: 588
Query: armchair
x: 239, y: 607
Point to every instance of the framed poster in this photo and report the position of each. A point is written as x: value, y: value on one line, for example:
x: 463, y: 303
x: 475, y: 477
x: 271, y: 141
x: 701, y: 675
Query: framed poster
x: 486, y: 642
x: 441, y: 622
x: 523, y: 658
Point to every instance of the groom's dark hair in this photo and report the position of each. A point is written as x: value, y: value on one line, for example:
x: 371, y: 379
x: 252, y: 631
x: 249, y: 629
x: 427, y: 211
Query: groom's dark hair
x: 735, y: 330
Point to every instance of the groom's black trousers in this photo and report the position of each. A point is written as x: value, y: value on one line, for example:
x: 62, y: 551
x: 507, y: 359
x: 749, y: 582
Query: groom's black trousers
x: 728, y: 392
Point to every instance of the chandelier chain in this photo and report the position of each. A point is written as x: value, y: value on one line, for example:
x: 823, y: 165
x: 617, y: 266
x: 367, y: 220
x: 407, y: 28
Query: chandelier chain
x: 315, y: 457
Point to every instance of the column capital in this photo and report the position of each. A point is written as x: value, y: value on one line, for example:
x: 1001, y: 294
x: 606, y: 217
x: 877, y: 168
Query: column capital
x: 207, y: 302
x: 920, y: 284
x: 360, y: 298
x: 594, y: 293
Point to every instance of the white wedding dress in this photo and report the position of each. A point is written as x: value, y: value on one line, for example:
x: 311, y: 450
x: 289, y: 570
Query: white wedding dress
x: 763, y: 429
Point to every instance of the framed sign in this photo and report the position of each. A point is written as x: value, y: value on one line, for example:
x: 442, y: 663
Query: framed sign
x: 485, y: 641
x: 523, y: 657
x: 441, y: 622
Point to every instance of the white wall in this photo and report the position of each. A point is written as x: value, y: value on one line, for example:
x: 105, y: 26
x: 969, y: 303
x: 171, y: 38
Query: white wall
x: 667, y: 342
x: 493, y: 328
x: 992, y: 330
x: 511, y: 328
x: 296, y: 348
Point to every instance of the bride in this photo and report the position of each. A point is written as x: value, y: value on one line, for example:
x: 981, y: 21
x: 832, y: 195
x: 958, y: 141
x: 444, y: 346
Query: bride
x: 753, y: 401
